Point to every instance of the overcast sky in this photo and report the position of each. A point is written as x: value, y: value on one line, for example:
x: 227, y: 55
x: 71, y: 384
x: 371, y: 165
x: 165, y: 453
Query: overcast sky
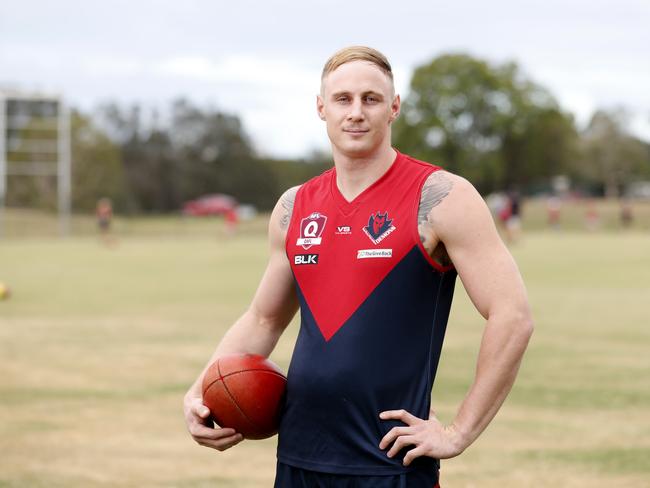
x: 262, y: 59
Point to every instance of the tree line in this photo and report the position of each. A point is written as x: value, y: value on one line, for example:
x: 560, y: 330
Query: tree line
x: 148, y: 166
x: 503, y: 131
x: 486, y: 122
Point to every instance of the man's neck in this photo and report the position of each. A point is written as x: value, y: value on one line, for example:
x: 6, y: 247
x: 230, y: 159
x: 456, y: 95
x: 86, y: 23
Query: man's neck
x: 354, y: 175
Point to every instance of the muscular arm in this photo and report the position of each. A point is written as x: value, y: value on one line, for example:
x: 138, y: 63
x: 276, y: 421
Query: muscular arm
x: 459, y: 220
x: 493, y: 283
x: 257, y: 331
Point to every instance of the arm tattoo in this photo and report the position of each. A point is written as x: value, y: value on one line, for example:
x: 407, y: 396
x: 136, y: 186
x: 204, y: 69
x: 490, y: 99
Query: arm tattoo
x: 434, y: 191
x: 287, y: 201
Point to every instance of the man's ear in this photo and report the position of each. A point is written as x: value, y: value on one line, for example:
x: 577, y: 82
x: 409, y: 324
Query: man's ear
x: 320, y: 107
x: 395, y: 108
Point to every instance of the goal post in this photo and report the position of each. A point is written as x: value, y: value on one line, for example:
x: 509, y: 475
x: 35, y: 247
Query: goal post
x: 35, y: 141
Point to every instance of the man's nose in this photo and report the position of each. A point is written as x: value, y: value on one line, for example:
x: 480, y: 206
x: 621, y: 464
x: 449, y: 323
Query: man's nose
x: 356, y: 111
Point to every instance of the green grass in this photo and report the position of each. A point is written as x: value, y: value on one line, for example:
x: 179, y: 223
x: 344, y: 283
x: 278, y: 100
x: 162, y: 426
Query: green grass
x: 622, y: 460
x: 98, y: 345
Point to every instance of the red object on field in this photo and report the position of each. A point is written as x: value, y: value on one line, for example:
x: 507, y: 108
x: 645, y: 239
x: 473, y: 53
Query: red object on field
x: 506, y: 212
x: 245, y: 392
x: 217, y: 204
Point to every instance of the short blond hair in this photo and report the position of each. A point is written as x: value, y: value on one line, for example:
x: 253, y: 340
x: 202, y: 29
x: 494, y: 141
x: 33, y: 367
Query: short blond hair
x: 357, y: 53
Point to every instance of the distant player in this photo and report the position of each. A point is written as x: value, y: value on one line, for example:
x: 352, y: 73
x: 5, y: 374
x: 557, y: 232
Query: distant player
x: 626, y: 213
x: 369, y: 252
x: 232, y: 220
x: 104, y: 215
x: 553, y: 210
x: 513, y: 221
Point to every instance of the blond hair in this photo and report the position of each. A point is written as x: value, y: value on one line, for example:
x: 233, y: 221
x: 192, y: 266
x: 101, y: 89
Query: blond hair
x: 357, y: 53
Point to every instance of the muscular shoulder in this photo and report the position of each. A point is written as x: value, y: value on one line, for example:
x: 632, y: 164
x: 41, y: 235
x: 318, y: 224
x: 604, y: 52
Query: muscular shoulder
x: 435, y: 189
x: 281, y: 217
x: 443, y: 194
x: 285, y: 204
x: 445, y: 201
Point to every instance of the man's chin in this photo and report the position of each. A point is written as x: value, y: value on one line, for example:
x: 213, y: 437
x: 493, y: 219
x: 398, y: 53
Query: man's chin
x: 356, y: 150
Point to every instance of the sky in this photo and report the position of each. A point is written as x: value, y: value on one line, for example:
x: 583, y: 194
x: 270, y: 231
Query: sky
x: 262, y: 59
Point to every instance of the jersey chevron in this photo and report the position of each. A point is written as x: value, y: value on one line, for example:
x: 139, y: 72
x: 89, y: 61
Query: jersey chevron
x: 358, y: 242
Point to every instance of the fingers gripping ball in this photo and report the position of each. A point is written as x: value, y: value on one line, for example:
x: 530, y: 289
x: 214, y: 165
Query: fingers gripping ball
x: 245, y: 392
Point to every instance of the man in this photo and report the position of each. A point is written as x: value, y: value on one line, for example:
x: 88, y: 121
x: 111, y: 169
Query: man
x: 104, y: 215
x: 369, y: 252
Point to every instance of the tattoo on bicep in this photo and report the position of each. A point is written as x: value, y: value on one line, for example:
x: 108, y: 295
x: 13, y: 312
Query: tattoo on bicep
x: 287, y: 201
x: 434, y: 191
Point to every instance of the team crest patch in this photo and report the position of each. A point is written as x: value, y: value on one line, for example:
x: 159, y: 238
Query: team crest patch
x: 379, y: 227
x: 311, y: 229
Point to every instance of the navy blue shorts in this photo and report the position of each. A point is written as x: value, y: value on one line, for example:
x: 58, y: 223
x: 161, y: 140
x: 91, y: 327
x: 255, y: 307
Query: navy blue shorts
x: 291, y: 477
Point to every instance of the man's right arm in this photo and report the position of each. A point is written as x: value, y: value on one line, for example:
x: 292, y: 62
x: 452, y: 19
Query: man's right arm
x: 256, y: 332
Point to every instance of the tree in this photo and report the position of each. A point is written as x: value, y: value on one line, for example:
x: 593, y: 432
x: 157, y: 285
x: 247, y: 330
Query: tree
x: 197, y: 152
x: 611, y: 156
x: 194, y: 152
x: 96, y: 166
x: 487, y: 123
x: 214, y: 154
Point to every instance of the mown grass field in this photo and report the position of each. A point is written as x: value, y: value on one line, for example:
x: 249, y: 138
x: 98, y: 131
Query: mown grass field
x: 98, y: 345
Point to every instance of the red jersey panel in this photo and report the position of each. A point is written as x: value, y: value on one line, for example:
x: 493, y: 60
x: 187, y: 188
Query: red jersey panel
x: 342, y: 250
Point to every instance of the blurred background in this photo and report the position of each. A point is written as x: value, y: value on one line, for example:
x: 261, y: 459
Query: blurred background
x: 143, y: 144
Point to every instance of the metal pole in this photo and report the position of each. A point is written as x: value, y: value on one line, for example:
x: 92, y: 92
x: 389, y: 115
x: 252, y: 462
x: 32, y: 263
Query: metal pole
x: 3, y: 162
x: 64, y: 170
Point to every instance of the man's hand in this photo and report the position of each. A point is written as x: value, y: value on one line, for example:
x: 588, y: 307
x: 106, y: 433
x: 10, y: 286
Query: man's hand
x: 199, y: 424
x: 429, y: 437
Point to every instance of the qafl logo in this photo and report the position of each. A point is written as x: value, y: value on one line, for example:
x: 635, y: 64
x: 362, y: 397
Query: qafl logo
x: 379, y: 227
x: 311, y: 229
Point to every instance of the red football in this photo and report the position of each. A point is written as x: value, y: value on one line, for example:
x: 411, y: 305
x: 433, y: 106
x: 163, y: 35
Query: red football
x: 245, y: 392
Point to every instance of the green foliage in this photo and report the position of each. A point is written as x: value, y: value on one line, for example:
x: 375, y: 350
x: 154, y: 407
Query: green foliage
x: 29, y: 190
x: 96, y: 166
x: 200, y: 151
x: 487, y: 123
x: 611, y: 157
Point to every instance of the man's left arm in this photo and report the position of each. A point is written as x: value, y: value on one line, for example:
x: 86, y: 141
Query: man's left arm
x: 462, y: 222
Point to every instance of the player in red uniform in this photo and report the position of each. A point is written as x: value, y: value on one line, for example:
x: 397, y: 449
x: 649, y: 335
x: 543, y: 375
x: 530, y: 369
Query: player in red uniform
x: 369, y: 252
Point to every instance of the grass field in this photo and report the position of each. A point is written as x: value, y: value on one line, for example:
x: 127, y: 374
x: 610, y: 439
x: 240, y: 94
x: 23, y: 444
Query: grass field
x: 98, y: 345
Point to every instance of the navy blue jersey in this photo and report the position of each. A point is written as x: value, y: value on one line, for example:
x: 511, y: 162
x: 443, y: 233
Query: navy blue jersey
x: 374, y: 308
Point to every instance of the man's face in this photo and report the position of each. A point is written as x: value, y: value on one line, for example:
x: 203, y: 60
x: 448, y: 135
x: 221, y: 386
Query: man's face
x: 358, y: 104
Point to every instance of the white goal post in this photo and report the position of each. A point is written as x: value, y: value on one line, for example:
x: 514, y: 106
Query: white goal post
x: 35, y: 141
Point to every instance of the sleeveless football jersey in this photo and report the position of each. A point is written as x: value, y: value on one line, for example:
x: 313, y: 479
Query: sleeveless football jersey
x: 374, y: 308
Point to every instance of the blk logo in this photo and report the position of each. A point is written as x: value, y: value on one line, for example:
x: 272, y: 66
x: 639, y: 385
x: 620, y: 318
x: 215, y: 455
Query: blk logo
x: 311, y: 229
x: 299, y: 259
x: 379, y: 227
